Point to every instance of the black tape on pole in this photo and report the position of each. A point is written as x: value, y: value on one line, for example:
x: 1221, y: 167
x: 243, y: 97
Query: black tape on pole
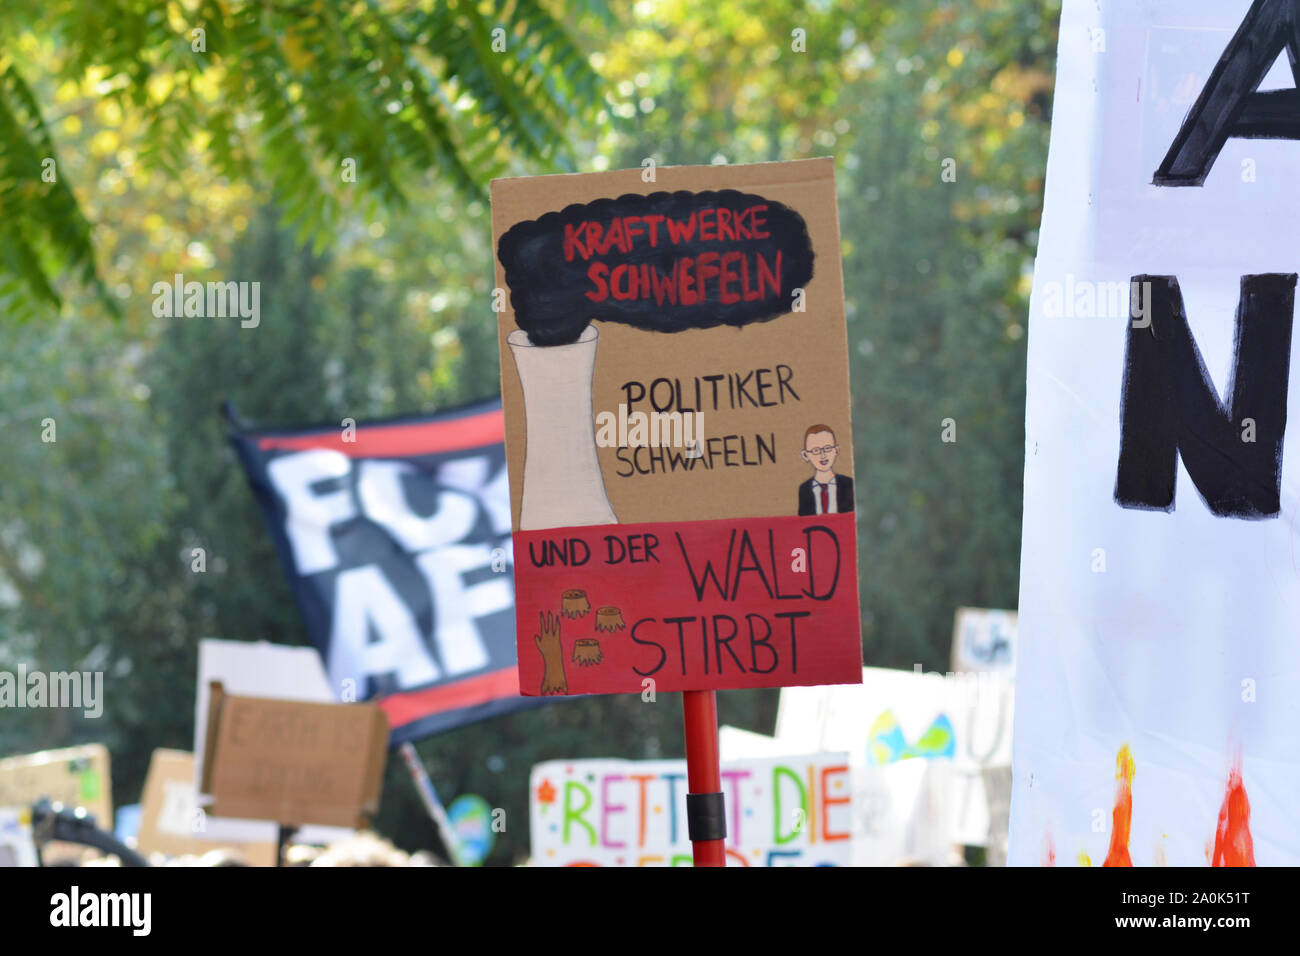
x: 706, y: 816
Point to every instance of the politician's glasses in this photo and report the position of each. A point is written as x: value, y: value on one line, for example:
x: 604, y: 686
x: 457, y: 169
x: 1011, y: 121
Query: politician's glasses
x: 824, y: 450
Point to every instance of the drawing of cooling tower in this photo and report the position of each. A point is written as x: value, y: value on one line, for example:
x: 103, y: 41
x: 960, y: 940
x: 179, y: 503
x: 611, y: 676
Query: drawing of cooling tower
x: 563, y: 485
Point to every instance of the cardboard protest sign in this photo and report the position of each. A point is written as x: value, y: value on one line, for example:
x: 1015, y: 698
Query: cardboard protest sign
x: 294, y: 762
x: 675, y: 382
x: 984, y: 639
x: 171, y: 821
x: 783, y: 811
x: 1158, y: 662
x: 256, y: 669
x: 73, y: 776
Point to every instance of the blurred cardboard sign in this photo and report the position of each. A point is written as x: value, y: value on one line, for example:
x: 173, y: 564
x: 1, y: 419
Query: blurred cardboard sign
x: 984, y: 640
x: 256, y: 669
x: 294, y: 762
x: 674, y: 373
x: 171, y: 821
x: 73, y: 776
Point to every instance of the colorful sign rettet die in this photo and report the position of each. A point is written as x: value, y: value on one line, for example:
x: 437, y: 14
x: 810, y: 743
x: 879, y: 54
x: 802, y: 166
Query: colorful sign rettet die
x: 793, y: 811
x: 674, y: 373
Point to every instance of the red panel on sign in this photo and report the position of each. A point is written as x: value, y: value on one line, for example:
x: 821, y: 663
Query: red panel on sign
x: 754, y: 602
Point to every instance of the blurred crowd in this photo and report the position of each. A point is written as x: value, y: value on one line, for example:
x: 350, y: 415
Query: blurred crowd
x: 362, y: 849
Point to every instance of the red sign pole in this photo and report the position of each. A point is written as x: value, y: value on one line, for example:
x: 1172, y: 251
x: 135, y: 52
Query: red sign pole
x: 705, y: 816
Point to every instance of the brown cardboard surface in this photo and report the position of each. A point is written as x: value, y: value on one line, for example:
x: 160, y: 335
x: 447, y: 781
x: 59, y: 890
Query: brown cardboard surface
x: 813, y: 344
x: 712, y: 289
x: 74, y: 776
x: 166, y: 813
x: 294, y: 762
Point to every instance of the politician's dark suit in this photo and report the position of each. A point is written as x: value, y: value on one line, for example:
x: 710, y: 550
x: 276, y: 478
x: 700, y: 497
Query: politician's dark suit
x: 843, y: 495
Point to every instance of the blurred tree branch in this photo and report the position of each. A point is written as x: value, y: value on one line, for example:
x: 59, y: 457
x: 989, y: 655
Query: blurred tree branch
x: 288, y: 95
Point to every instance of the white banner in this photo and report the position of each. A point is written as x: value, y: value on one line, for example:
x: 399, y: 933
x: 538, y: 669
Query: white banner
x: 1159, y: 653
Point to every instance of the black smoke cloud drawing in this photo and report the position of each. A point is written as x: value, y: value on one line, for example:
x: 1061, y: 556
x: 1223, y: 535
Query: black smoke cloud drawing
x: 667, y: 262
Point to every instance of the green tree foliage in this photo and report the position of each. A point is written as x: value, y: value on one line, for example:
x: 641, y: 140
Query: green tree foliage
x: 332, y: 106
x: 92, y: 573
x: 940, y: 200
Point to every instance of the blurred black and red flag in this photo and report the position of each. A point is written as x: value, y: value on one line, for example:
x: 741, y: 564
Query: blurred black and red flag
x: 395, y: 536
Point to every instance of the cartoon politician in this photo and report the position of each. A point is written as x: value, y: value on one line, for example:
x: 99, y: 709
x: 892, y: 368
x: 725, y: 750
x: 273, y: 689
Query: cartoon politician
x: 826, y: 493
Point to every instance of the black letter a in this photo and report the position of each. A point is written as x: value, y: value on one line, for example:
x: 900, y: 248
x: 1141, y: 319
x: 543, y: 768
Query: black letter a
x: 1229, y: 105
x: 1169, y: 406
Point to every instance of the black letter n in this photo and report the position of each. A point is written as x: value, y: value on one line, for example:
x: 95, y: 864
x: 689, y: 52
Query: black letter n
x: 1169, y: 406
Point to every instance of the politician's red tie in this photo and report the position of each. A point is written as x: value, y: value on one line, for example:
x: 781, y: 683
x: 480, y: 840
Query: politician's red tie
x: 826, y: 498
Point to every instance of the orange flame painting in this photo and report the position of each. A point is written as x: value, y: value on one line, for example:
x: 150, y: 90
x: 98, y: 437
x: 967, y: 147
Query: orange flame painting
x: 1232, y: 843
x: 1122, y: 817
